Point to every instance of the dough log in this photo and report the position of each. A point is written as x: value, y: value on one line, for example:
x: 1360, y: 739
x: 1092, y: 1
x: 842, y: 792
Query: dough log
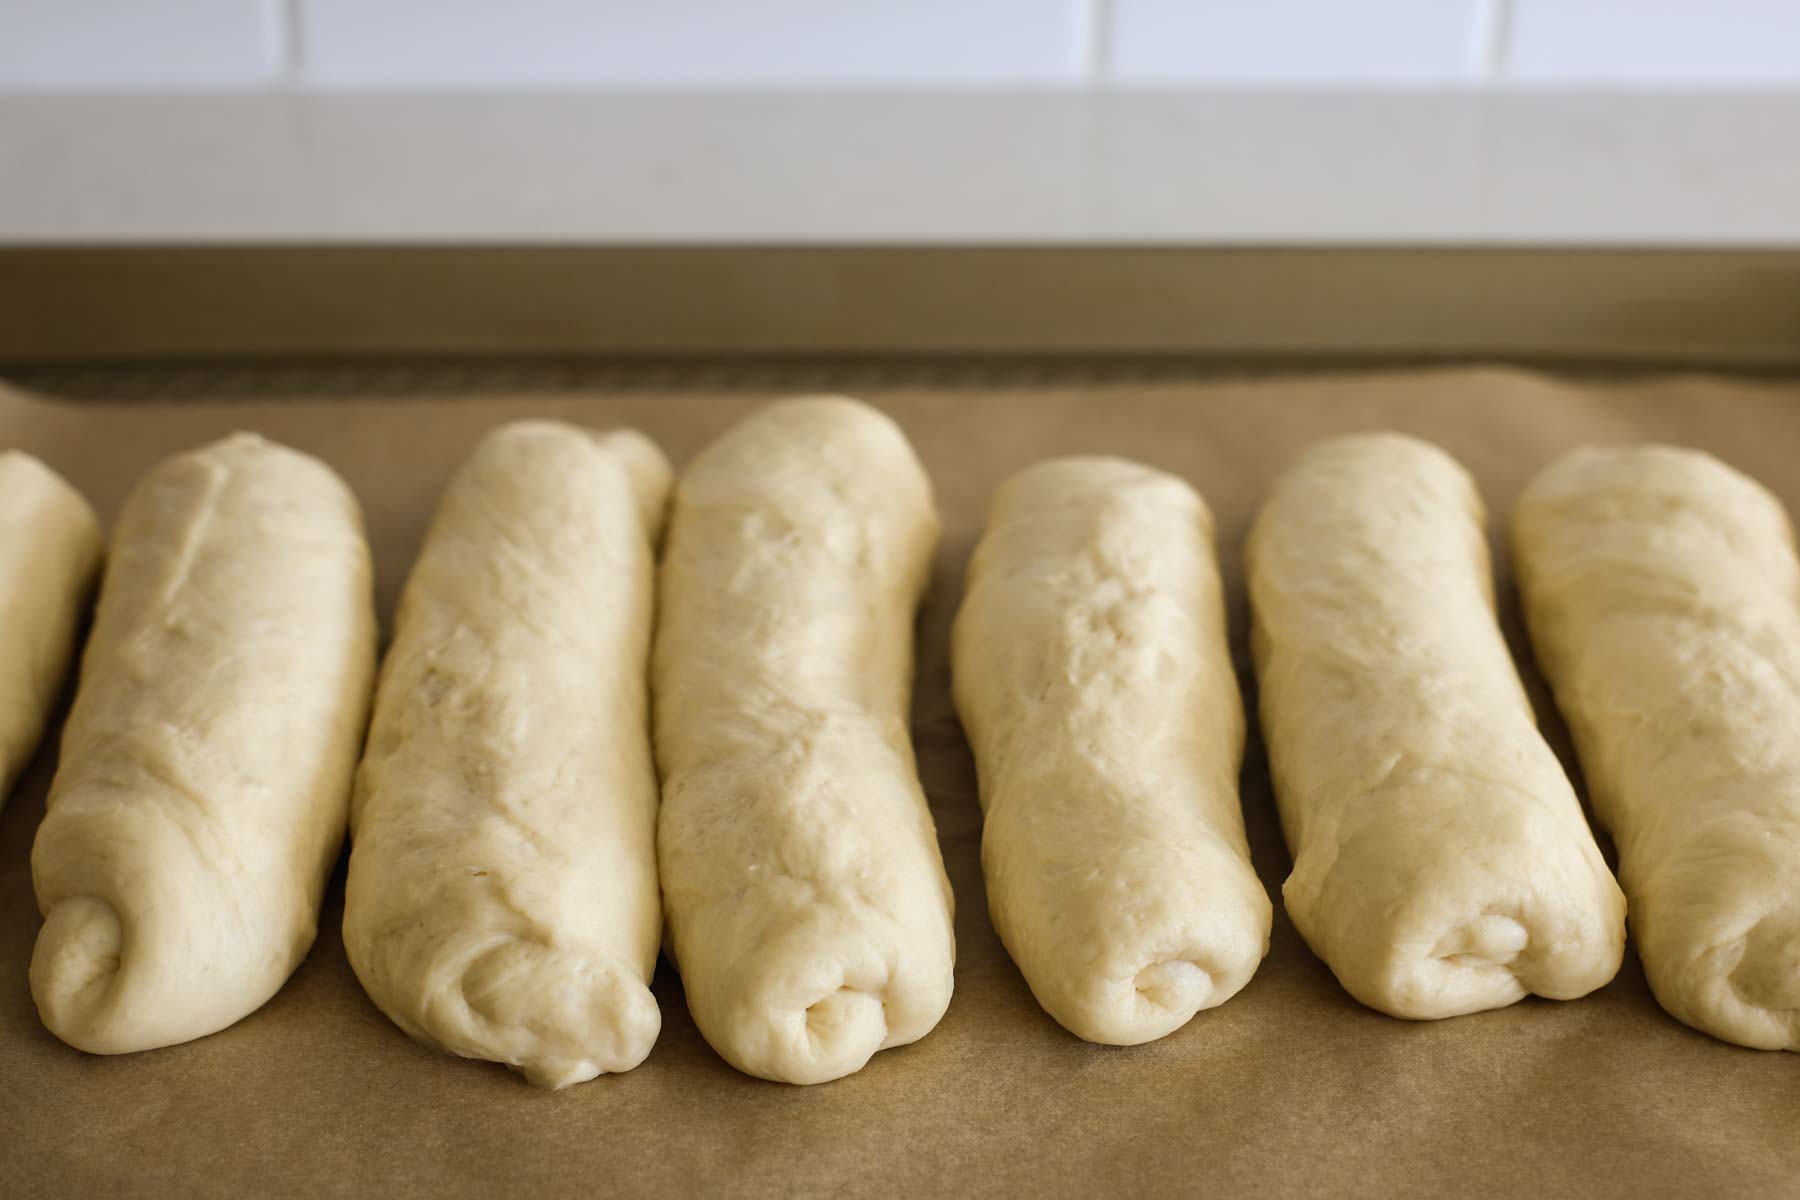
x: 1094, y: 679
x: 206, y: 765
x: 807, y: 906
x: 1663, y: 598
x: 1442, y: 864
x: 502, y: 899
x: 49, y: 551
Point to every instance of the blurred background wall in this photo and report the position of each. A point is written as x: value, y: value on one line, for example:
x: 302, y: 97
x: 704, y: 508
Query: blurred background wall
x: 551, y: 44
x: 898, y: 123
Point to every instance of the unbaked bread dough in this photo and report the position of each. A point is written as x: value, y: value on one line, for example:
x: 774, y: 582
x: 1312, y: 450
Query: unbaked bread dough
x: 807, y: 906
x: 1094, y: 680
x: 49, y: 551
x: 1663, y: 597
x: 206, y: 765
x: 1442, y: 864
x: 502, y: 899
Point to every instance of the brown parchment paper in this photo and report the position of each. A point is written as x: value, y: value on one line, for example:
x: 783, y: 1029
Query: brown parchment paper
x: 1291, y: 1088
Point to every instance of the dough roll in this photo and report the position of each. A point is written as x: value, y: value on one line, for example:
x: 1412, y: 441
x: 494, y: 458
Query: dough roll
x: 1663, y: 598
x: 49, y: 551
x: 1442, y: 864
x: 807, y: 905
x: 502, y: 899
x: 206, y: 765
x: 1093, y: 678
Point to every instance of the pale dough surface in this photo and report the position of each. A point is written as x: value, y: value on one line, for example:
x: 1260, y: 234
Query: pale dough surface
x: 49, y: 551
x: 502, y: 900
x: 1663, y: 598
x: 807, y: 906
x: 205, y: 773
x: 1094, y: 680
x: 1442, y: 864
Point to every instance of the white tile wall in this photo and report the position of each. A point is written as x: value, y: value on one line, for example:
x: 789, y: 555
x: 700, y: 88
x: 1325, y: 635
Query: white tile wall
x: 328, y: 44
x: 691, y: 42
x: 137, y: 43
x: 1296, y: 41
x: 1650, y: 42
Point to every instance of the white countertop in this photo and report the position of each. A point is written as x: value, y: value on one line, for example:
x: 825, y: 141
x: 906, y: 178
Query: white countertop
x: 1179, y: 167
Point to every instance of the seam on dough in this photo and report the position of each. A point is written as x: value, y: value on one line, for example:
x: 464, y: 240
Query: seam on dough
x: 217, y: 475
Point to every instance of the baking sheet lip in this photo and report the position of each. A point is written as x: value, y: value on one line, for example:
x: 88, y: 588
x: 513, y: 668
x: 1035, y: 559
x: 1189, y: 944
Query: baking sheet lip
x: 1665, y: 304
x: 378, y: 377
x: 1373, y: 248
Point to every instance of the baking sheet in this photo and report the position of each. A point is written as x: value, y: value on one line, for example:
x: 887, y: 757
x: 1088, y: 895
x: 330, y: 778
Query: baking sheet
x: 1289, y: 1088
x: 1681, y: 306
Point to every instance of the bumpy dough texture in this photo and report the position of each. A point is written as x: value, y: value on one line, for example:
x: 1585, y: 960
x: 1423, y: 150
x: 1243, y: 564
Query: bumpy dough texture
x: 1094, y: 680
x: 206, y: 766
x: 807, y: 905
x: 502, y: 899
x: 1442, y: 864
x: 1662, y: 589
x: 49, y: 551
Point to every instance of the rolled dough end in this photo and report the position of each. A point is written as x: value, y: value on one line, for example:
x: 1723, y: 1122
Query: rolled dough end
x: 848, y: 1025
x: 556, y: 1020
x: 832, y: 1036
x: 1153, y: 977
x: 1491, y: 947
x: 1745, y: 990
x: 75, y: 969
x: 827, y: 1021
x: 1768, y: 975
x: 1161, y: 997
x: 1173, y: 984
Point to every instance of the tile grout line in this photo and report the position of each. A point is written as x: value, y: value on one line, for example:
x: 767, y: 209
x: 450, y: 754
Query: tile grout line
x: 1492, y: 42
x: 292, y: 44
x: 1096, y: 20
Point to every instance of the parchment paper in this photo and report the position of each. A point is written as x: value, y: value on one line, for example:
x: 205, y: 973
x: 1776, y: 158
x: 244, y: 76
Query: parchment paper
x: 1290, y: 1088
